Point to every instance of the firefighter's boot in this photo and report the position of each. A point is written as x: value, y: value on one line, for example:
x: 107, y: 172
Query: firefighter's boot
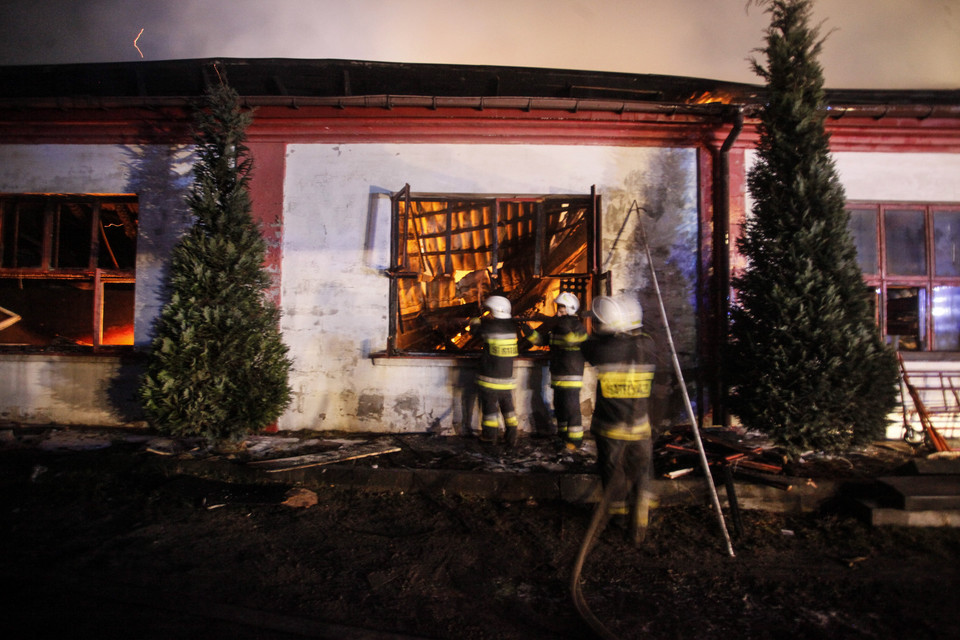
x: 639, y: 518
x: 489, y: 434
x: 574, y: 436
x: 511, y: 437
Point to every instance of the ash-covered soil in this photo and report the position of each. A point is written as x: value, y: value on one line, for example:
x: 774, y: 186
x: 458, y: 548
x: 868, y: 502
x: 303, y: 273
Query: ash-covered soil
x: 119, y: 543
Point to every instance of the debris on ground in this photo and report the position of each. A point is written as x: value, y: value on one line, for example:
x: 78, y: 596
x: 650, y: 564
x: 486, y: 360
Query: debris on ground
x: 341, y: 454
x: 300, y: 498
x: 750, y: 456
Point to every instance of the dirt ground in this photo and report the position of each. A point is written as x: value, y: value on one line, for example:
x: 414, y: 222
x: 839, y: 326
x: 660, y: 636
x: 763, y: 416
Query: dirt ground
x: 120, y: 543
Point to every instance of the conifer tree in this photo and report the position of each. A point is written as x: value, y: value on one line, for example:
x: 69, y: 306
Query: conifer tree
x: 217, y: 367
x: 806, y: 363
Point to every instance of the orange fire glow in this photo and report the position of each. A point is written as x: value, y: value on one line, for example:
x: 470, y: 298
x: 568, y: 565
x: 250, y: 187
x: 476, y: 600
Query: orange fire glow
x: 111, y: 336
x: 709, y: 98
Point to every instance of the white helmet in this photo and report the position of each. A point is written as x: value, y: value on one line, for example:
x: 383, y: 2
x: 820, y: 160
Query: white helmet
x: 569, y: 302
x: 633, y: 311
x: 609, y: 315
x: 499, y: 306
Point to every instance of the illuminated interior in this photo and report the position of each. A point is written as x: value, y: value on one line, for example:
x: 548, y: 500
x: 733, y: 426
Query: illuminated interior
x: 454, y: 251
x: 67, y: 270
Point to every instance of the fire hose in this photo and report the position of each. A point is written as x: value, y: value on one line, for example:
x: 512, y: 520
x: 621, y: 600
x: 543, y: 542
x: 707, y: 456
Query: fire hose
x: 601, y: 512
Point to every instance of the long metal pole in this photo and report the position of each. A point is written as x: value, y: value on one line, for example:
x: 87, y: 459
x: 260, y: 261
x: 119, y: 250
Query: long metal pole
x: 683, y: 387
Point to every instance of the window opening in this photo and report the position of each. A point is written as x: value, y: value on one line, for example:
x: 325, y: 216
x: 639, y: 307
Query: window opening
x: 450, y: 251
x: 910, y: 256
x: 67, y: 270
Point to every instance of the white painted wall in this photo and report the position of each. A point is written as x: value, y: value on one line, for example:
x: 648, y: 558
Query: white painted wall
x: 914, y: 177
x: 337, y: 244
x: 892, y: 177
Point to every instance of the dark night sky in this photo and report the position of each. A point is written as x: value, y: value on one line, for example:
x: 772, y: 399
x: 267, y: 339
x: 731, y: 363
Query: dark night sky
x: 878, y: 44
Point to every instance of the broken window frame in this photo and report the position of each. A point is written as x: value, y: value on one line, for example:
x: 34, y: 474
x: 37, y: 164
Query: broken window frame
x: 100, y: 259
x: 535, y: 212
x: 916, y: 290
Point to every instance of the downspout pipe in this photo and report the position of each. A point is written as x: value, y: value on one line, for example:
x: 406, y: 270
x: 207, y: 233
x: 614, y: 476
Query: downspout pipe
x: 721, y: 269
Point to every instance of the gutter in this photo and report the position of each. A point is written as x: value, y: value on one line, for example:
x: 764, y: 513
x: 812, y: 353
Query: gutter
x: 481, y: 103
x: 721, y: 270
x: 382, y: 101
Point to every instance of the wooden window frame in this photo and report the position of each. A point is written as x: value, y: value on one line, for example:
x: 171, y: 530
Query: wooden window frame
x: 883, y: 281
x: 403, y: 267
x: 92, y: 274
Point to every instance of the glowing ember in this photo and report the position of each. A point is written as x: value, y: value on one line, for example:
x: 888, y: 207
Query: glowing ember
x: 135, y: 43
x: 111, y: 336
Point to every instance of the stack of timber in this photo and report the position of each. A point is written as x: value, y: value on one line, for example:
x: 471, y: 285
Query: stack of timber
x: 728, y: 454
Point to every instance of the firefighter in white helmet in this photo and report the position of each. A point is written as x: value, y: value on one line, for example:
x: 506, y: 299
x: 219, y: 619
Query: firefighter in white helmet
x: 565, y: 334
x: 495, y: 380
x: 621, y: 423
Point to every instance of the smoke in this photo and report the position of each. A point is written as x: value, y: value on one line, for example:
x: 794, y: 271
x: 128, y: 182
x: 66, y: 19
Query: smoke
x: 869, y: 43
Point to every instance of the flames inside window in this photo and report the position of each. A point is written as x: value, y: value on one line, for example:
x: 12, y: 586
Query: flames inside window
x: 450, y: 252
x: 67, y: 270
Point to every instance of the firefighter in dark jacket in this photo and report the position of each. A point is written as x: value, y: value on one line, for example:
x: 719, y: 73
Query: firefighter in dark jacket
x: 565, y: 334
x: 495, y: 380
x: 620, y: 423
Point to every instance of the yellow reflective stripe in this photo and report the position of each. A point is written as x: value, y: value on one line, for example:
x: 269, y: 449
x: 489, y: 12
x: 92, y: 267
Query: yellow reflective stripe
x: 635, y: 433
x: 570, y: 340
x: 567, y: 384
x: 497, y: 384
x: 625, y: 384
x: 503, y: 347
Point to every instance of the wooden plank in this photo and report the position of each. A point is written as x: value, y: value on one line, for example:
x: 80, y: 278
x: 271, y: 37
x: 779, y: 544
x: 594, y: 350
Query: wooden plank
x: 759, y: 466
x: 327, y: 457
x: 734, y: 446
x: 777, y: 482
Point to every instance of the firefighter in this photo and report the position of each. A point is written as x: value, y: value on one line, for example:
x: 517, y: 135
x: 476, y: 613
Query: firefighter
x: 565, y: 334
x: 621, y: 424
x: 495, y: 380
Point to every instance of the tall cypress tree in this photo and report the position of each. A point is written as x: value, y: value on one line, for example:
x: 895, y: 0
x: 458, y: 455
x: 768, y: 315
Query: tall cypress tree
x: 217, y: 367
x: 810, y: 370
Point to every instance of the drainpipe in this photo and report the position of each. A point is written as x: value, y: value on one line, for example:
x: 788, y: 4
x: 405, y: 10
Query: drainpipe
x: 721, y: 269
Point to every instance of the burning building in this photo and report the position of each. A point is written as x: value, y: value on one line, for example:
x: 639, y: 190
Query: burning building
x: 394, y: 197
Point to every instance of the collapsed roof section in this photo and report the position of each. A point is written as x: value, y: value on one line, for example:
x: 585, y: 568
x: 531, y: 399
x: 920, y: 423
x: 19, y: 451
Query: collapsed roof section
x: 453, y: 251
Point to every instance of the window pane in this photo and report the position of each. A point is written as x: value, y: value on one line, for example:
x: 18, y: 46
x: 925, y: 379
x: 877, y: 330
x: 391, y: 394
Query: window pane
x: 118, y: 236
x: 72, y: 246
x: 946, y: 242
x: 23, y: 234
x: 863, y: 228
x: 55, y: 313
x: 946, y: 318
x: 118, y: 313
x: 566, y: 235
x: 906, y: 242
x: 905, y: 317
